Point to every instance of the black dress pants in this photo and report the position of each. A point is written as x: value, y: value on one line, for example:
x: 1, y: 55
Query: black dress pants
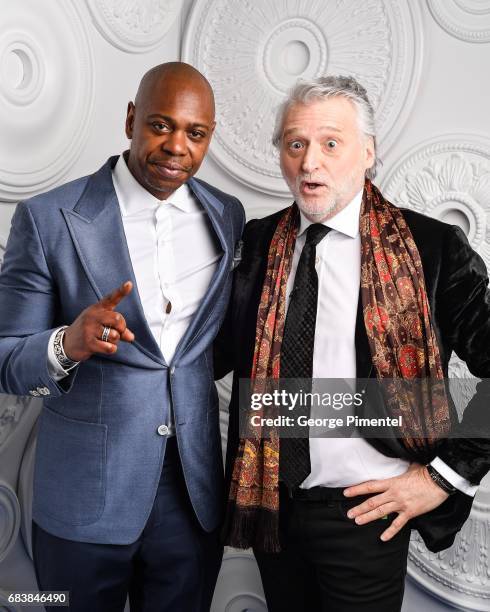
x: 172, y: 567
x: 330, y: 564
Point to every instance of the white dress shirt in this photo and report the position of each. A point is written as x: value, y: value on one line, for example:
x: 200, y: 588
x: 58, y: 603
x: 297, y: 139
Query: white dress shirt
x: 340, y: 462
x: 174, y: 253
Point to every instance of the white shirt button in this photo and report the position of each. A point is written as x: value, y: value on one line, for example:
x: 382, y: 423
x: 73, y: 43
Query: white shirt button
x: 163, y: 430
x: 317, y: 260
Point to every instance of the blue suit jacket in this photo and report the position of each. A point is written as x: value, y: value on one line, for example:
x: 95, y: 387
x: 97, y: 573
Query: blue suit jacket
x: 99, y: 455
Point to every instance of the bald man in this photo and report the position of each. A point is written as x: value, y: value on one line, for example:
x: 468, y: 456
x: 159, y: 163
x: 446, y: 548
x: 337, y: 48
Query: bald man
x: 111, y: 292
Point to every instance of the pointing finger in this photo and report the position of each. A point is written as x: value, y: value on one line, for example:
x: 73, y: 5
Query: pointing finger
x: 111, y: 300
x: 127, y: 335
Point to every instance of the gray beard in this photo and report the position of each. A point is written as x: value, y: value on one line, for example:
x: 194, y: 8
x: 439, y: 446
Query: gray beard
x: 328, y: 208
x: 312, y: 211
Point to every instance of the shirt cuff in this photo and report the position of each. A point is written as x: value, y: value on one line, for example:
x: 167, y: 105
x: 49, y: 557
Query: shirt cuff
x: 55, y: 370
x: 453, y: 477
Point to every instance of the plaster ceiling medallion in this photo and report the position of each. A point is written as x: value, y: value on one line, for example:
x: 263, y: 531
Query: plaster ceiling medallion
x: 232, y: 595
x: 135, y: 26
x: 3, y: 244
x: 459, y: 575
x: 462, y: 384
x: 253, y: 52
x: 9, y: 519
x: 468, y: 20
x: 46, y: 94
x: 224, y: 393
x: 12, y: 409
x: 447, y: 178
x: 5, y: 605
x: 25, y: 488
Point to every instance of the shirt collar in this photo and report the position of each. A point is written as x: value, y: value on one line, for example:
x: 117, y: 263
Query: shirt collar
x: 346, y: 221
x: 134, y: 198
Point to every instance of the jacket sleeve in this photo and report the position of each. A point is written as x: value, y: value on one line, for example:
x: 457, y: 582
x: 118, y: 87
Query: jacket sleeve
x: 465, y: 321
x: 28, y: 301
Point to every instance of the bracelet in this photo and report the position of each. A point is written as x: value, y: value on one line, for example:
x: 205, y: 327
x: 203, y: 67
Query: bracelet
x: 440, y: 481
x: 59, y: 352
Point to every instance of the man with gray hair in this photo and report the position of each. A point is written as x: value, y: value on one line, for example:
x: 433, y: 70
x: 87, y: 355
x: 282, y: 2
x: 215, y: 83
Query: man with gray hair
x: 343, y: 284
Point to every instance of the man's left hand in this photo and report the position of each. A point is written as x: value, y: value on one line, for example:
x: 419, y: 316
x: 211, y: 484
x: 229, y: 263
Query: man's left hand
x: 409, y: 494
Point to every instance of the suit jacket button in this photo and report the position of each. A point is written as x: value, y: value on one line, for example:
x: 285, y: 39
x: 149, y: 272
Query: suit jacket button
x: 162, y: 430
x: 172, y: 370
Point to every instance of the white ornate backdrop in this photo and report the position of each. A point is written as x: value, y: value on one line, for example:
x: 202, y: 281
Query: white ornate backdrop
x: 67, y: 70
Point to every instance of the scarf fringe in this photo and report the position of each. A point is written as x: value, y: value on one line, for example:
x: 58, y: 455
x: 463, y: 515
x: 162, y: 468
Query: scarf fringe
x: 252, y: 527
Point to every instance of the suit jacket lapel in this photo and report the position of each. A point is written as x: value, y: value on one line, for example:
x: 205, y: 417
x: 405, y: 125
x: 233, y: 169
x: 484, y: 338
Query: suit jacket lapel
x: 98, y: 233
x: 216, y: 213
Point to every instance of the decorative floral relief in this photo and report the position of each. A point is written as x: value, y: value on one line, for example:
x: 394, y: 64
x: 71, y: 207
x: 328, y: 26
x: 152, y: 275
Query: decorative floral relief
x: 12, y: 408
x: 448, y: 179
x: 9, y: 519
x: 460, y: 574
x: 134, y: 25
x: 468, y: 20
x: 141, y: 16
x: 454, y: 174
x: 46, y: 90
x: 253, y: 53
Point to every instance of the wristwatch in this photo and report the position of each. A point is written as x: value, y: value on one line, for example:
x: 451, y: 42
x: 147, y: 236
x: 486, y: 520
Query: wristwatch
x: 440, y: 480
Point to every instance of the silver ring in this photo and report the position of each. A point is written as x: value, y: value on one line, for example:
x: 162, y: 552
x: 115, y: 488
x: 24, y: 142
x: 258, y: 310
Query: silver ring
x: 105, y: 334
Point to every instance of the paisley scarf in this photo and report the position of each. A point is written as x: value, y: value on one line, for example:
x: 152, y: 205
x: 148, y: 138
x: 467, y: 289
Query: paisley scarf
x: 402, y: 343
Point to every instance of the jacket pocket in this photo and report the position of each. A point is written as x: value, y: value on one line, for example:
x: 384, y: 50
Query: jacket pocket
x: 70, y: 472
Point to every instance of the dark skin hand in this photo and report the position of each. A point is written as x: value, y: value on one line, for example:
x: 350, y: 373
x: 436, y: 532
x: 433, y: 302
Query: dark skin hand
x: 409, y: 494
x: 82, y: 337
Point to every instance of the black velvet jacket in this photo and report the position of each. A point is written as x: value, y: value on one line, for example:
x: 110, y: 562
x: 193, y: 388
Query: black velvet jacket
x: 456, y: 281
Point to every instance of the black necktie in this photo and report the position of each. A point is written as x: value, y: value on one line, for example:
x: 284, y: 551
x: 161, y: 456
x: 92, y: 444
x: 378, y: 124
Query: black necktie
x: 297, y: 355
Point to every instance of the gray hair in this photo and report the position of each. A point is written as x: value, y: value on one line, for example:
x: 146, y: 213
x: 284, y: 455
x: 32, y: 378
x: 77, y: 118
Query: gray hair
x: 329, y: 87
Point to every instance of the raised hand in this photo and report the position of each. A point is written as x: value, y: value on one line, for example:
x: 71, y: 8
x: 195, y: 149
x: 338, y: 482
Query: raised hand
x: 83, y: 337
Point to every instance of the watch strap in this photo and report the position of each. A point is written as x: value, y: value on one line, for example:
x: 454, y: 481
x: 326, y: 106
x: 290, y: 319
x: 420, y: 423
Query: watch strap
x: 440, y: 481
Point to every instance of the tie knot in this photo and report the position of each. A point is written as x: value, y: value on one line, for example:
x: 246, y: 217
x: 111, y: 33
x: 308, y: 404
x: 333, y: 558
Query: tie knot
x: 315, y: 233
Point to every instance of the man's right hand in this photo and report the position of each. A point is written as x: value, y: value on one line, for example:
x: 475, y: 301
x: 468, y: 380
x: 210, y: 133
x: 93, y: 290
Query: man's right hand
x: 83, y: 337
